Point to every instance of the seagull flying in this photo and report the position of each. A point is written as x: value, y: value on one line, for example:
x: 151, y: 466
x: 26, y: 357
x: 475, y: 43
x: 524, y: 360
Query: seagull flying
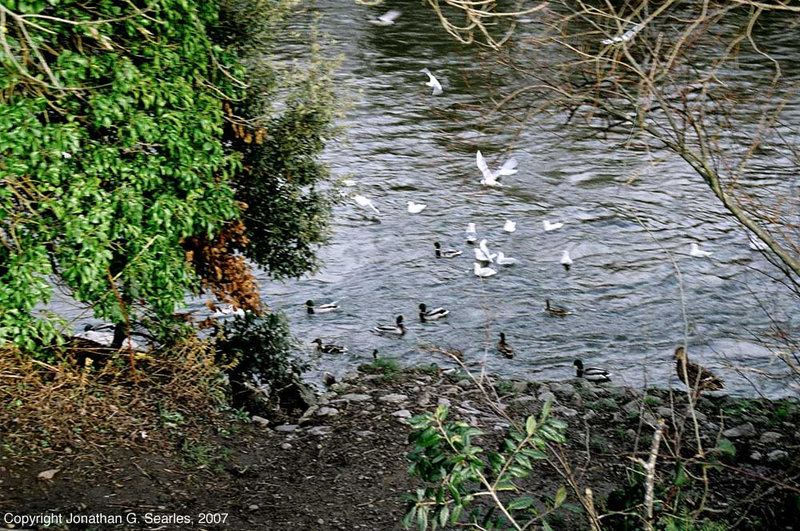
x: 483, y: 254
x: 694, y: 250
x: 415, y: 208
x: 387, y: 19
x: 510, y: 226
x: 625, y: 37
x: 364, y: 202
x: 551, y: 226
x: 491, y: 178
x: 566, y: 260
x: 484, y: 272
x: 433, y: 82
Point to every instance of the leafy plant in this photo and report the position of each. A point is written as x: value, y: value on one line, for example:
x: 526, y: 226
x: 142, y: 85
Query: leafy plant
x: 461, y: 473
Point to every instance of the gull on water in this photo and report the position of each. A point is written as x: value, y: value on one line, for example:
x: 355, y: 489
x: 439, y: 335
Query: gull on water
x: 510, y: 226
x: 415, y: 208
x: 566, y: 260
x: 433, y: 82
x: 364, y: 202
x: 694, y: 250
x: 484, y: 272
x: 482, y: 253
x: 387, y: 19
x: 491, y: 178
x: 551, y: 226
x: 505, y: 260
x: 471, y: 234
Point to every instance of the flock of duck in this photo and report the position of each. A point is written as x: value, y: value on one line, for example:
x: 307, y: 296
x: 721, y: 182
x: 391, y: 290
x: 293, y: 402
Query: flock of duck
x: 693, y: 375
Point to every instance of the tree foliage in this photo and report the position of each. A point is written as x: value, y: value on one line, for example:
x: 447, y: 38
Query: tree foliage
x: 129, y: 140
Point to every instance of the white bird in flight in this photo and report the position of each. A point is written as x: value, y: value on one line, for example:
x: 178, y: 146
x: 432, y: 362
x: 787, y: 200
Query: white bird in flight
x: 433, y: 82
x: 551, y: 226
x: 491, y: 178
x: 510, y: 226
x: 625, y: 37
x: 387, y: 19
x: 484, y: 272
x: 472, y: 235
x: 505, y: 260
x: 415, y: 208
x: 566, y: 260
x: 694, y: 250
x: 364, y: 202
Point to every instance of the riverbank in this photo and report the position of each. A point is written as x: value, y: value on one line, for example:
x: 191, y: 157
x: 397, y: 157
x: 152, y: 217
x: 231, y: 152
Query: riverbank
x: 342, y: 465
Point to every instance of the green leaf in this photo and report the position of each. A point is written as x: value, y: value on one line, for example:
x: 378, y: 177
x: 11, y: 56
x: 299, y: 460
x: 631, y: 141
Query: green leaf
x: 530, y: 426
x: 520, y: 503
x: 726, y: 447
x: 546, y: 409
x: 561, y: 495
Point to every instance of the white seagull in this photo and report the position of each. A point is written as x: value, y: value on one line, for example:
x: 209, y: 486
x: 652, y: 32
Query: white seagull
x: 364, y: 202
x: 415, y: 208
x: 482, y: 253
x: 625, y: 37
x: 433, y: 82
x: 484, y: 272
x: 387, y: 19
x: 566, y: 260
x: 472, y: 235
x: 505, y: 260
x: 551, y: 226
x: 510, y: 226
x: 491, y: 178
x: 694, y: 250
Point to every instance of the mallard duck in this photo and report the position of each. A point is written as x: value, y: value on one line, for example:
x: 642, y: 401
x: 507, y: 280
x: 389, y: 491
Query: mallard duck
x: 445, y: 253
x: 699, y: 378
x: 397, y: 330
x: 431, y: 315
x: 330, y: 348
x: 375, y: 356
x: 593, y: 374
x: 322, y: 308
x: 504, y: 348
x: 555, y: 311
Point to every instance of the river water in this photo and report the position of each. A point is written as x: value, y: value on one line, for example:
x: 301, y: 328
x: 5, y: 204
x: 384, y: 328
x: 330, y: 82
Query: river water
x: 403, y: 144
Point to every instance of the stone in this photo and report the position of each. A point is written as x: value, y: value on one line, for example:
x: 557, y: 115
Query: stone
x: 328, y: 379
x: 770, y: 437
x: 547, y: 396
x: 320, y: 430
x: 665, y: 412
x: 260, y: 420
x: 393, y: 398
x: 567, y: 412
x: 353, y: 397
x: 350, y: 376
x: 524, y: 399
x: 286, y: 428
x: 777, y: 455
x: 464, y: 384
x: 743, y: 430
x: 589, y: 415
x: 756, y: 456
x: 253, y: 507
x: 632, y: 407
x: 444, y: 402
x: 327, y: 412
x: 402, y: 413
x: 365, y: 433
x: 424, y: 399
x: 519, y: 387
x: 562, y: 390
x: 286, y: 446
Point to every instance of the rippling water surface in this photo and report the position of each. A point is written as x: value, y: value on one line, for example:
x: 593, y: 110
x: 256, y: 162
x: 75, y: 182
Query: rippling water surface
x: 403, y: 144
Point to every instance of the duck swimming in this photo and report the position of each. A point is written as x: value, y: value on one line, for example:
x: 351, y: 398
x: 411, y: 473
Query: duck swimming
x: 504, y: 348
x: 330, y: 348
x: 548, y: 226
x: 445, y: 253
x: 388, y: 330
x: 322, y: 308
x: 593, y: 374
x: 696, y: 377
x: 431, y: 315
x: 555, y: 311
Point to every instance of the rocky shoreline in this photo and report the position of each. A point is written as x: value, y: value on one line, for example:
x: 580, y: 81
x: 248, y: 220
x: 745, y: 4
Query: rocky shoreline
x: 340, y: 463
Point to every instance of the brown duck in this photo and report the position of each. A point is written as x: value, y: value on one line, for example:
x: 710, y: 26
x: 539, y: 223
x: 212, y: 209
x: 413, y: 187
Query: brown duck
x: 699, y: 378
